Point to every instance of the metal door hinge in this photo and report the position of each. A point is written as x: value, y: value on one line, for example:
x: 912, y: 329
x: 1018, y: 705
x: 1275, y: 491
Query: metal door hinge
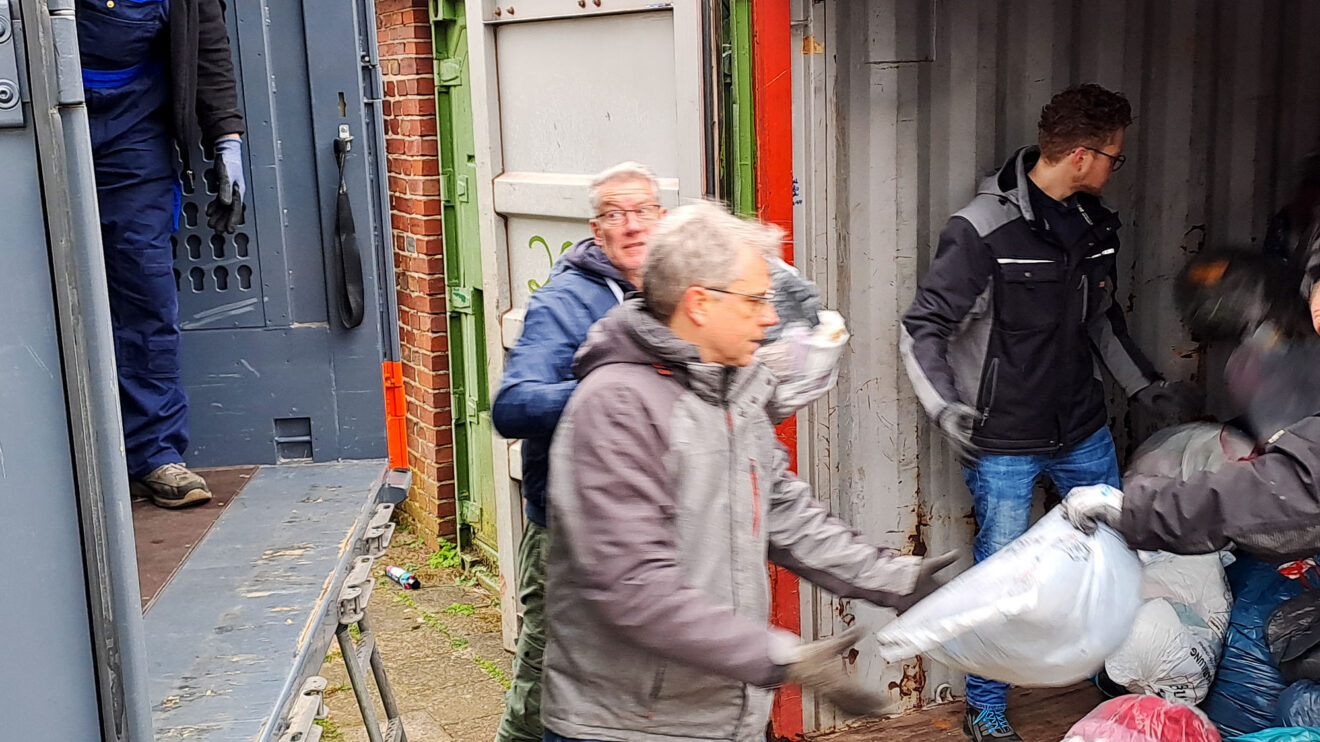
x: 449, y: 71
x: 354, y: 597
x: 11, y: 103
x: 379, y: 531
x: 471, y: 509
x: 309, y: 707
x: 459, y: 299
x: 453, y: 189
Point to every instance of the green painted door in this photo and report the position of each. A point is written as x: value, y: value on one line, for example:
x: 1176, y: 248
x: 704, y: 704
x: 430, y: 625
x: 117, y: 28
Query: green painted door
x: 473, y: 473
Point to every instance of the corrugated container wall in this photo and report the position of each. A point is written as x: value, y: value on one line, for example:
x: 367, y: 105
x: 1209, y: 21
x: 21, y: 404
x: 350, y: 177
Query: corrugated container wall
x: 901, y: 106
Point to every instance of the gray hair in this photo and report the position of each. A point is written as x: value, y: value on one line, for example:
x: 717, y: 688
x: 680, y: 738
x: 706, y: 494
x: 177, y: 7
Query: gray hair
x: 699, y: 245
x: 624, y: 171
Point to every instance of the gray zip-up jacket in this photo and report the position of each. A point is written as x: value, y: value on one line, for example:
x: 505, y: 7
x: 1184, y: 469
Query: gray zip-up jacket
x: 1268, y: 505
x: 668, y: 493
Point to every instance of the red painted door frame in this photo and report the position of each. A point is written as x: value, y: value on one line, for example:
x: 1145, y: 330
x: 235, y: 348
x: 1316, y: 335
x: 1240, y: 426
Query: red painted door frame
x: 773, y: 105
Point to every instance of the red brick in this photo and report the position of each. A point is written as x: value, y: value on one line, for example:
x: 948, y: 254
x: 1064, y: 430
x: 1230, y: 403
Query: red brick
x: 430, y: 303
x: 445, y: 508
x: 421, y: 415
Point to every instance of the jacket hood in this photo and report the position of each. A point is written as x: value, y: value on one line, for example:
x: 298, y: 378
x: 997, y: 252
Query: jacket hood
x: 630, y: 334
x: 588, y: 257
x: 1010, y: 183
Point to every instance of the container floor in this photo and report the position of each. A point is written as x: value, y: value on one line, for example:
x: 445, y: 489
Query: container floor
x: 1038, y: 715
x: 165, y: 537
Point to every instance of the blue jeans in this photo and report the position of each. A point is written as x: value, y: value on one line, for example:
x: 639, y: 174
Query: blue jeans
x: 1001, y: 489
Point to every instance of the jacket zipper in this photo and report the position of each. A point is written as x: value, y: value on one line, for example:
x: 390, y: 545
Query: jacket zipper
x: 991, y: 383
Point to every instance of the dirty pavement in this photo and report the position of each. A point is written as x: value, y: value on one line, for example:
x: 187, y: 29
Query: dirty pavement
x: 441, y: 647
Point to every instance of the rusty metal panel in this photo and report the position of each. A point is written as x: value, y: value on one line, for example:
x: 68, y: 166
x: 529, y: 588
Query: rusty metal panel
x: 901, y: 107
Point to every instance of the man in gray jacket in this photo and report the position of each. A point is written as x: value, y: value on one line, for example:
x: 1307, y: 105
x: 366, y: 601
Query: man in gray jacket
x: 668, y: 493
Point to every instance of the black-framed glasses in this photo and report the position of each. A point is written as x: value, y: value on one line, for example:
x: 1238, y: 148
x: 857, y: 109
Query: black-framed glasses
x: 615, y: 217
x: 1115, y: 161
x: 765, y: 299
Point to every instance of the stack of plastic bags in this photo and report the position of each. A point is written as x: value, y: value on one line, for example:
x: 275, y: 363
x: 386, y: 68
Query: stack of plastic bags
x: 1178, y: 633
x: 1245, y: 695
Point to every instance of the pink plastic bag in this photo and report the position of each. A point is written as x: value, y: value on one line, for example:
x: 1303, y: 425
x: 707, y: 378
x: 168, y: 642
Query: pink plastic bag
x: 1143, y: 719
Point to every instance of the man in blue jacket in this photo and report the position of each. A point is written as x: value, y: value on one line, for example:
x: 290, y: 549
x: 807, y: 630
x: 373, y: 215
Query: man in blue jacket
x: 586, y: 282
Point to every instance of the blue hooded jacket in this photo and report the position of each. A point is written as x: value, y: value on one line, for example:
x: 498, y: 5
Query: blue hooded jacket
x: 538, y: 374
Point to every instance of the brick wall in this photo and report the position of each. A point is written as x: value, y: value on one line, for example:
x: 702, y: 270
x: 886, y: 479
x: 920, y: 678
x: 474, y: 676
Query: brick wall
x: 404, y: 37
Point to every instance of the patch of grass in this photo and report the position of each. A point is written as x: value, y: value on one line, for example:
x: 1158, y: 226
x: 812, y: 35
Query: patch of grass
x: 355, y: 632
x: 446, y: 557
x: 456, y: 642
x: 331, y: 656
x: 465, y: 581
x: 335, y: 689
x: 493, y: 670
x: 329, y: 730
x: 425, y: 615
x: 461, y: 609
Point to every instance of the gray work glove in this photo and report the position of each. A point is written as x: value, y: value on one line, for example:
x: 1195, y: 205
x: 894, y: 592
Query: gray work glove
x: 956, y: 420
x: 225, y: 212
x: 797, y: 300
x: 1171, y: 402
x: 820, y: 667
x: 934, y: 572
x: 1087, y: 507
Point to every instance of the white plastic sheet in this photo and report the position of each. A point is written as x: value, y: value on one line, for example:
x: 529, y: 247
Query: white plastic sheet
x: 1046, y: 610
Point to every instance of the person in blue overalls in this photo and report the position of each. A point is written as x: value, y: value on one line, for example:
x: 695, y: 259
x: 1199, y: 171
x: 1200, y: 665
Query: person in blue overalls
x: 156, y: 73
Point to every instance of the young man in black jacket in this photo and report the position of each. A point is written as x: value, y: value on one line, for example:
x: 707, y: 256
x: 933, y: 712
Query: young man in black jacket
x: 156, y: 73
x: 1002, y: 339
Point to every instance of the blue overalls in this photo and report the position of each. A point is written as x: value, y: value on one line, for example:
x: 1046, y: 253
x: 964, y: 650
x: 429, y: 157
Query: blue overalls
x: 124, y: 47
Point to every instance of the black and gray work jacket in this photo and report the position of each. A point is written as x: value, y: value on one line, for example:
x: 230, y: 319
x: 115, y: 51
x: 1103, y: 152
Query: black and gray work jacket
x: 1013, y: 322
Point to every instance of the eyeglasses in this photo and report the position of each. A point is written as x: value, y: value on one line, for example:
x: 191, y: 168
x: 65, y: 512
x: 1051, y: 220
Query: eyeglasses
x: 615, y: 217
x: 765, y: 299
x: 1116, y: 161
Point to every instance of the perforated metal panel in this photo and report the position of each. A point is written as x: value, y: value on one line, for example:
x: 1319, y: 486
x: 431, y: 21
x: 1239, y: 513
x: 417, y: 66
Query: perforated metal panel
x: 218, y: 276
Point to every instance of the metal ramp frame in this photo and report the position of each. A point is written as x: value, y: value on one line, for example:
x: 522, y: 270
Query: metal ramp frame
x: 244, y: 625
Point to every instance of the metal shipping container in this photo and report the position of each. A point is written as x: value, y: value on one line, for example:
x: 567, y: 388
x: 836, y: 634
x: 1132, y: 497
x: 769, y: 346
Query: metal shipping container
x: 901, y: 106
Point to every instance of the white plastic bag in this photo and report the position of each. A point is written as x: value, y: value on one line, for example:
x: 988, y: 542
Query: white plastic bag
x: 1045, y: 610
x: 805, y: 360
x: 1183, y: 451
x: 1178, y: 635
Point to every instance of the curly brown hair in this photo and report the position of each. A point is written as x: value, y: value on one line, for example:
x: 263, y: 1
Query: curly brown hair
x: 1082, y: 116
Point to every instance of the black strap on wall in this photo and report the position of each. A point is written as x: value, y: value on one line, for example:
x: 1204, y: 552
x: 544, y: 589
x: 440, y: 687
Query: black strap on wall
x: 350, y: 294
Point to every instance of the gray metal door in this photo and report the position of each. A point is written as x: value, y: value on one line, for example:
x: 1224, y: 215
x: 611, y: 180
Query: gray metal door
x: 74, y: 661
x: 563, y: 90
x: 272, y: 373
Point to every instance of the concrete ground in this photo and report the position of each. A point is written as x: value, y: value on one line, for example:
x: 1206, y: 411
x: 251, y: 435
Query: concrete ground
x: 442, y: 653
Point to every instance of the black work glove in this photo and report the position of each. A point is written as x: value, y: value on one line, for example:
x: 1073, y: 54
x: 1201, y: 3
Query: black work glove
x: 1171, y: 402
x: 225, y: 212
x: 820, y: 668
x: 956, y: 420
x: 934, y: 572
